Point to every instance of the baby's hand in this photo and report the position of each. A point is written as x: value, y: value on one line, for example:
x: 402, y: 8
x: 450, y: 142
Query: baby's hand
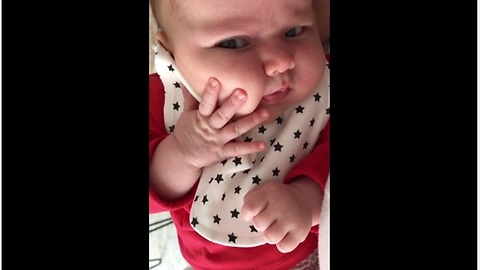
x: 204, y: 133
x: 281, y: 212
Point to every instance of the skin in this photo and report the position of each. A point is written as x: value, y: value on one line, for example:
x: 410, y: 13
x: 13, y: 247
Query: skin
x: 278, y: 58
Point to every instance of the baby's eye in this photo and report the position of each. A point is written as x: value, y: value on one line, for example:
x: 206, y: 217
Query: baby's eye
x: 233, y: 43
x: 294, y: 32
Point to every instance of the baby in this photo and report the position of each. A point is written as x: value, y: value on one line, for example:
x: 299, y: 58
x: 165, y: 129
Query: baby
x: 242, y: 171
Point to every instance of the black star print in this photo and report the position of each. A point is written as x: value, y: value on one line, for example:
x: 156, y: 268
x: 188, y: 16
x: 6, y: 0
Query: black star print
x: 248, y: 139
x: 272, y: 141
x: 237, y: 190
x: 194, y: 221
x: 278, y: 147
x: 216, y: 219
x: 223, y: 162
x: 211, y: 179
x: 232, y: 238
x: 176, y: 106
x: 305, y: 145
x: 261, y: 160
x: 176, y: 84
x: 328, y: 65
x: 312, y: 121
x: 292, y: 158
x: 297, y: 134
x: 317, y: 97
x: 253, y: 229
x: 171, y: 68
x: 204, y: 199
x: 219, y: 178
x: 262, y: 129
x: 234, y: 213
x: 256, y: 180
x: 299, y: 109
x: 279, y: 120
x: 246, y: 171
x: 233, y: 175
x: 223, y: 197
x: 196, y: 198
x: 171, y: 128
x: 328, y: 110
x: 237, y: 161
x: 276, y: 171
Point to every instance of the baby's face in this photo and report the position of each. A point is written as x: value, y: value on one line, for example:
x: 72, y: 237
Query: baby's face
x: 270, y: 49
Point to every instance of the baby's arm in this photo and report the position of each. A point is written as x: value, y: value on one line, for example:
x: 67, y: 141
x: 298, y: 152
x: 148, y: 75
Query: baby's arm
x: 203, y: 136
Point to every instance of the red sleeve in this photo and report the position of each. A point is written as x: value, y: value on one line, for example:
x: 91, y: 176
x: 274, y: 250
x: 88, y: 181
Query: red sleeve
x: 316, y: 165
x: 156, y: 131
x: 156, y: 134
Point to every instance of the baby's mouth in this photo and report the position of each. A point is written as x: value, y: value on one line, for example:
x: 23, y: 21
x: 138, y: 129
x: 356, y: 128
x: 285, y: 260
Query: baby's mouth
x: 276, y: 96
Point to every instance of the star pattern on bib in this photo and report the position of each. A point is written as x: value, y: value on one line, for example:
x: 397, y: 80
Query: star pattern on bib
x: 232, y: 237
x: 235, y: 213
x: 278, y: 147
x: 262, y: 129
x: 194, y: 222
x: 222, y: 186
x: 297, y: 134
x: 279, y: 120
x: 219, y: 178
x: 216, y: 219
x: 237, y: 161
x: 256, y: 180
x: 275, y: 171
x: 176, y: 106
x: 204, y: 200
x: 299, y: 109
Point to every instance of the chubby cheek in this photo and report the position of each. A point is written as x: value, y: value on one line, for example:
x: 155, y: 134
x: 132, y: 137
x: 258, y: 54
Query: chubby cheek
x: 311, y: 71
x: 232, y: 75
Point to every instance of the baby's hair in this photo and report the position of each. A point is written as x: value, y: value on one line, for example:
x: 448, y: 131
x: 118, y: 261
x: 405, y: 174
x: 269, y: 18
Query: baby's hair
x: 163, y: 12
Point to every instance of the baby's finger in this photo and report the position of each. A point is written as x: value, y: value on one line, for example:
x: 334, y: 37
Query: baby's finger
x: 253, y: 204
x: 289, y: 242
x: 209, y: 100
x: 243, y: 125
x: 233, y: 149
x: 275, y: 233
x: 223, y: 114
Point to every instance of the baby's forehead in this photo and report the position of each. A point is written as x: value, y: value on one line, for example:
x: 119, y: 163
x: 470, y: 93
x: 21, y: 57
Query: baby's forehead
x: 229, y: 11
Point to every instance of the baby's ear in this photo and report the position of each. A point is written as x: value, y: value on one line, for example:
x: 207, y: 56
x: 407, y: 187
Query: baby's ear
x: 162, y: 39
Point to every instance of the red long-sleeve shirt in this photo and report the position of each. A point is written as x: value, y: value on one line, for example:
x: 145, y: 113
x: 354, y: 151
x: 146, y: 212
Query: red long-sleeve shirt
x: 203, y: 254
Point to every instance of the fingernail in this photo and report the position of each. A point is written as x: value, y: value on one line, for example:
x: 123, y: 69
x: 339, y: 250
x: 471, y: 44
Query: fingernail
x: 264, y: 113
x: 213, y: 82
x: 240, y: 96
x: 262, y: 146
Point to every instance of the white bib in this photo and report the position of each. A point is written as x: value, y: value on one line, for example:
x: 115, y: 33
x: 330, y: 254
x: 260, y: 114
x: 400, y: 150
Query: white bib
x: 215, y: 212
